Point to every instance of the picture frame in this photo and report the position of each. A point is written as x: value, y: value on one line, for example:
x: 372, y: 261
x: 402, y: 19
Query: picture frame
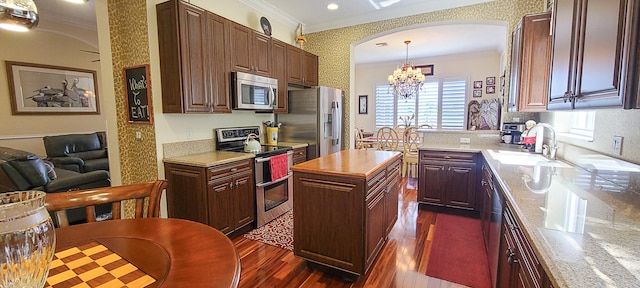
x: 491, y: 89
x: 477, y: 93
x: 491, y: 80
x: 37, y: 89
x: 136, y: 83
x: 427, y: 70
x: 477, y: 84
x: 363, y: 104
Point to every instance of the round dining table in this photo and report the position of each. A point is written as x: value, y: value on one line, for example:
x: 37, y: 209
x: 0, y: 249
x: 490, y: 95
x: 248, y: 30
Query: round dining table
x: 167, y: 252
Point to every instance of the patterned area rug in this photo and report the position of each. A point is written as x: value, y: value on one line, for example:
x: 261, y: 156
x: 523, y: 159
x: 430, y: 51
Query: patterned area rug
x: 278, y: 232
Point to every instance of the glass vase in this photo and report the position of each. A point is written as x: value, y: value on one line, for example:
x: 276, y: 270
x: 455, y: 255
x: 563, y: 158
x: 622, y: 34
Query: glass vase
x: 27, y: 239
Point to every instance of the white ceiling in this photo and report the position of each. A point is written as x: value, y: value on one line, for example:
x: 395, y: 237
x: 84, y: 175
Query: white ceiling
x: 428, y: 41
x: 83, y: 15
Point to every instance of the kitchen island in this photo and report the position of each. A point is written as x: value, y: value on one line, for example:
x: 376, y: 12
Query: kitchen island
x: 345, y: 205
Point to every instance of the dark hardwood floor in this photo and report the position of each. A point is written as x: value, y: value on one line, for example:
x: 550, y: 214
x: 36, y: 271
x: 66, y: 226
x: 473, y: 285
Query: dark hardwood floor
x: 402, y: 263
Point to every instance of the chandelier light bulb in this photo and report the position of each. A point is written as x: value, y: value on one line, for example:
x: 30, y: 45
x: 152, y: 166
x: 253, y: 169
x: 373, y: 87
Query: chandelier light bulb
x: 18, y: 15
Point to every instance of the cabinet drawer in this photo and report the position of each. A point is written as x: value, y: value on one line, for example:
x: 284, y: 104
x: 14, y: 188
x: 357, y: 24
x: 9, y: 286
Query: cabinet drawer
x: 222, y: 170
x: 448, y: 156
x: 375, y: 183
x: 299, y: 155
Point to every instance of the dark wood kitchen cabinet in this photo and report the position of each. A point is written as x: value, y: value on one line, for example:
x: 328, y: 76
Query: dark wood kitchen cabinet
x: 279, y: 57
x: 221, y: 196
x: 447, y: 179
x: 193, y: 59
x: 530, y: 61
x: 519, y: 265
x: 358, y: 193
x: 590, y: 62
x: 302, y: 67
x: 250, y: 51
x: 299, y: 155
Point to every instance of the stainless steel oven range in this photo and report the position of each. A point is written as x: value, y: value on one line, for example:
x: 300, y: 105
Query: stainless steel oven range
x: 273, y: 197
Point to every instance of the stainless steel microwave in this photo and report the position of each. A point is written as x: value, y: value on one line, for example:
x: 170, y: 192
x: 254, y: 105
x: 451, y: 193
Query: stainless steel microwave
x: 253, y: 92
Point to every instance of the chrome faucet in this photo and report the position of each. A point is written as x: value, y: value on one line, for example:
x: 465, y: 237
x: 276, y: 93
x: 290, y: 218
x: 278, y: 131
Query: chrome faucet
x: 547, y: 150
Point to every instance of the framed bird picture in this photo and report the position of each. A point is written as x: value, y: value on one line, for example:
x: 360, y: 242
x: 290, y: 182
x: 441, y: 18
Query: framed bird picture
x: 48, y: 89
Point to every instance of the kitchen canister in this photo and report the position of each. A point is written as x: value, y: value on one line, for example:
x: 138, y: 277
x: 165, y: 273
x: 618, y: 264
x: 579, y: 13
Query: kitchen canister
x: 27, y: 239
x: 272, y: 135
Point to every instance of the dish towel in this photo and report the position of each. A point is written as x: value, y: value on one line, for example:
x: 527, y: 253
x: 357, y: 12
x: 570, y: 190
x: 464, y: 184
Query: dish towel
x: 279, y: 166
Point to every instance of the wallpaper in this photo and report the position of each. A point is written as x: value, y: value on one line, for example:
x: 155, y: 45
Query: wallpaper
x: 130, y: 47
x: 333, y: 46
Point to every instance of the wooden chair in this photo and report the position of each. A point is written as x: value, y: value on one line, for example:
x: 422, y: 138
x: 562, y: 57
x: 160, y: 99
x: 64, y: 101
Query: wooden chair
x: 360, y: 143
x: 401, y: 130
x: 387, y: 139
x: 59, y: 202
x: 410, y: 152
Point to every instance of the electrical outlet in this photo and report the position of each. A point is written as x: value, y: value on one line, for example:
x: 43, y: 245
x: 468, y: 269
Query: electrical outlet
x: 465, y: 140
x: 138, y: 135
x: 617, y: 145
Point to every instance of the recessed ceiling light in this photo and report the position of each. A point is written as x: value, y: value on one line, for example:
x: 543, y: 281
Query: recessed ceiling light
x: 332, y: 6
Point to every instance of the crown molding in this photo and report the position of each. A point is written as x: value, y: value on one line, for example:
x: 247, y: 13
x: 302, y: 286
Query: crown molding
x: 273, y: 12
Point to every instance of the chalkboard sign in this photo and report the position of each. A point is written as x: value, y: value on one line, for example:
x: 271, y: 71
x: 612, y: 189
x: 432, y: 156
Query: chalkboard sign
x: 139, y: 107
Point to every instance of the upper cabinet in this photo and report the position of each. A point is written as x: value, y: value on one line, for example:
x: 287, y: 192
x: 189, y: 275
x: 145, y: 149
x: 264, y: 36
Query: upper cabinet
x: 193, y: 59
x: 250, y: 51
x: 530, y: 55
x: 590, y: 63
x: 279, y: 57
x: 302, y: 67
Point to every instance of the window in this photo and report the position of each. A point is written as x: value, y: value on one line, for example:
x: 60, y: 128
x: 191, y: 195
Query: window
x: 582, y: 123
x: 441, y: 103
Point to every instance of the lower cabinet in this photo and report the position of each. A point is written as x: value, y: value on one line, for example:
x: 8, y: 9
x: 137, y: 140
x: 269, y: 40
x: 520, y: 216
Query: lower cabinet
x: 448, y: 179
x: 221, y: 196
x: 519, y: 266
x: 299, y: 155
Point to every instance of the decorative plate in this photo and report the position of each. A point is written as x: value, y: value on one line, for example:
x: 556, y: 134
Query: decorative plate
x: 266, y: 26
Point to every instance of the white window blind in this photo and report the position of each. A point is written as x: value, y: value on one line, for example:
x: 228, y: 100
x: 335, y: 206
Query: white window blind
x: 441, y: 103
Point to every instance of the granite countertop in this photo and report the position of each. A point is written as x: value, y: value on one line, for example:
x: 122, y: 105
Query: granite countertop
x: 209, y: 158
x: 583, y: 220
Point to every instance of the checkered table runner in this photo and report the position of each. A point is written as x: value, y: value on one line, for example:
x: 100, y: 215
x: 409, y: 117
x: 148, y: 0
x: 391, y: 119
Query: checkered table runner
x: 94, y: 265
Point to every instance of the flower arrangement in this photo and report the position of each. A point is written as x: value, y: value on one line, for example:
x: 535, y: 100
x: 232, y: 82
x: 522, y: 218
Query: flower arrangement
x: 406, y: 120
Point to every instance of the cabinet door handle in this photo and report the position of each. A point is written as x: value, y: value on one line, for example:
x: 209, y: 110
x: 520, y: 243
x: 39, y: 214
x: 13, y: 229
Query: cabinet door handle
x: 231, y: 185
x: 234, y: 169
x: 447, y: 157
x: 511, y: 257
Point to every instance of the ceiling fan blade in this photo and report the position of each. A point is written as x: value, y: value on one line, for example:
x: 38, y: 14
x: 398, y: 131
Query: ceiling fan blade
x: 94, y: 52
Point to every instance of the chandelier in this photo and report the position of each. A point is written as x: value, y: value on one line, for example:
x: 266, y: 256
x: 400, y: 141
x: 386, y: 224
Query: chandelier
x: 18, y: 15
x: 406, y: 80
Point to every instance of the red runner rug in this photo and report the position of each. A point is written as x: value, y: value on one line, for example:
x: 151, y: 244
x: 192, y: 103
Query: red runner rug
x: 278, y: 232
x: 458, y: 253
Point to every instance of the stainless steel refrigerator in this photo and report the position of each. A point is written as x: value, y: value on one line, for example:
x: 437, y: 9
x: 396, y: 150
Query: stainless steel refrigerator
x: 315, y: 117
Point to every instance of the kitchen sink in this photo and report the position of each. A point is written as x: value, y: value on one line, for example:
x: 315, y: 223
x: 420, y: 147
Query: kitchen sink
x: 524, y: 158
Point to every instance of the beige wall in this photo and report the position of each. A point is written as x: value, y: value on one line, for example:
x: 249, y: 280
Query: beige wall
x: 609, y: 122
x: 472, y: 66
x: 25, y: 132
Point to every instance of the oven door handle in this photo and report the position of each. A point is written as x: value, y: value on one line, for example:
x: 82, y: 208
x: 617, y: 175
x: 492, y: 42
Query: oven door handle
x: 265, y: 159
x: 274, y: 182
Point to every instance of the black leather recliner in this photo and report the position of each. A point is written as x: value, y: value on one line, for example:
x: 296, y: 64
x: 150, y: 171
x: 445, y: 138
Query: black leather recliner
x: 77, y: 152
x: 21, y: 170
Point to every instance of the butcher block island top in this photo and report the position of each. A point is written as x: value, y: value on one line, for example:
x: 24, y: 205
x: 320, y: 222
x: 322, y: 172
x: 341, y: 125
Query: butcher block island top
x: 360, y: 163
x: 344, y: 206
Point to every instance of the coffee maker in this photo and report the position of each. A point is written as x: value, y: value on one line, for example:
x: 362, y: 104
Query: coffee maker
x: 512, y: 131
